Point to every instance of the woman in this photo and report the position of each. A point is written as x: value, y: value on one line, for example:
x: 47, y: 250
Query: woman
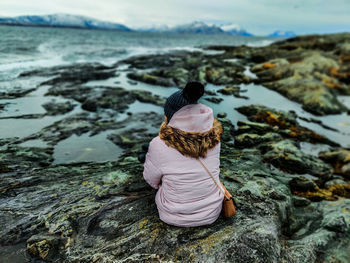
x: 187, y: 196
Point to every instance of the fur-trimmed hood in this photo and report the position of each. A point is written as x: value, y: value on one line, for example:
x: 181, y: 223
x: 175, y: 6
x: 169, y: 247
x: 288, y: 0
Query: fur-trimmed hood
x: 192, y: 131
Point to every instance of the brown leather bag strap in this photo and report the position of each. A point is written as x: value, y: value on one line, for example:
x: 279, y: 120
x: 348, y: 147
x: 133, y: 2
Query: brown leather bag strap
x: 212, y: 177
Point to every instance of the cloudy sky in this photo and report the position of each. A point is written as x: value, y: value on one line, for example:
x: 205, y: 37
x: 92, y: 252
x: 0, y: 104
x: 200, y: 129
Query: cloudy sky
x: 256, y: 16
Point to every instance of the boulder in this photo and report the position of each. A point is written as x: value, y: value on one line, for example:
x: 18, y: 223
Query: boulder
x: 284, y: 123
x: 55, y: 108
x: 339, y: 159
x: 286, y: 156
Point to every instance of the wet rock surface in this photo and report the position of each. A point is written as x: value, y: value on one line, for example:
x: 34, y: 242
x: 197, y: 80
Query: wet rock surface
x: 102, y: 211
x: 233, y: 90
x: 54, y: 108
x: 339, y: 159
x: 15, y: 93
x: 310, y: 74
x: 73, y: 74
x: 288, y: 157
x: 292, y: 206
x: 177, y: 69
x: 216, y: 100
x: 310, y: 70
x: 283, y: 122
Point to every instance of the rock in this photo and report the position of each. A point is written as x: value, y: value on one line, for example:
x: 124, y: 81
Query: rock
x: 95, y: 211
x: 286, y: 156
x: 54, y: 108
x: 131, y: 82
x: 148, y: 97
x: 46, y: 247
x: 141, y: 157
x: 144, y: 147
x: 134, y: 139
x: 308, y: 82
x: 179, y: 76
x: 319, y: 224
x: 119, y: 99
x: 223, y: 76
x: 307, y: 188
x: 16, y: 158
x: 283, y: 122
x: 129, y: 159
x: 228, y: 129
x: 2, y: 106
x: 315, y: 98
x: 130, y: 138
x: 274, y: 63
x: 89, y: 105
x: 336, y: 222
x: 300, y: 201
x: 172, y: 59
x: 334, y: 182
x: 4, y: 169
x: 72, y: 75
x: 151, y: 79
x: 221, y: 114
x: 215, y: 100
x: 177, y: 68
x: 339, y: 159
x: 78, y: 93
x: 90, y: 228
x: 251, y: 139
x: 302, y: 184
x: 232, y: 90
x: 254, y: 127
x: 209, y: 92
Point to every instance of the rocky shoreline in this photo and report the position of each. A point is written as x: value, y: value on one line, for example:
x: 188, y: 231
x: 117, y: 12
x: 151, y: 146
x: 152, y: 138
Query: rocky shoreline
x: 293, y: 205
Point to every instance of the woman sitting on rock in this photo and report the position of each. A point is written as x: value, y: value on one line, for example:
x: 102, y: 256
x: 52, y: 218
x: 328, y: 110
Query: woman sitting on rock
x: 187, y: 196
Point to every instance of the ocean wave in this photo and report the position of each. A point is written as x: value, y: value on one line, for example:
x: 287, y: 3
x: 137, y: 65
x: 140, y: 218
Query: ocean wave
x: 260, y: 43
x: 31, y: 64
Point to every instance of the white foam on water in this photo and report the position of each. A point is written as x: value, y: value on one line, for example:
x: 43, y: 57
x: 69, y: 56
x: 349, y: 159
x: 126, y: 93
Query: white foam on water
x: 37, y: 63
x: 261, y: 43
x: 45, y: 57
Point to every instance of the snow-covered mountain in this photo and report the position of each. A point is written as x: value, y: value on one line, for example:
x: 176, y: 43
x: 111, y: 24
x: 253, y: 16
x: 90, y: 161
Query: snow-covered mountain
x: 67, y: 20
x: 230, y: 28
x: 197, y: 27
x: 280, y: 33
x: 62, y: 20
x: 200, y: 27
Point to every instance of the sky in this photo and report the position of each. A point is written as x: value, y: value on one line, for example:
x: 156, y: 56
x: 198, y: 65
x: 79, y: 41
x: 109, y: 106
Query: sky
x: 259, y: 17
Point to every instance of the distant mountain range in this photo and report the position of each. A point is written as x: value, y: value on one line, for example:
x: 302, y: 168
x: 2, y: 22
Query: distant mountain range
x: 280, y: 33
x: 74, y: 21
x: 62, y: 20
x: 199, y: 27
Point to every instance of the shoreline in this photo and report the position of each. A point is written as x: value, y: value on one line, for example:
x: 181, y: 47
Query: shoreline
x: 287, y: 167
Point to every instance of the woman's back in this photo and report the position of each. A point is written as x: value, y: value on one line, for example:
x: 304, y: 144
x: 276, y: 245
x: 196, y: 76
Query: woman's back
x: 187, y: 195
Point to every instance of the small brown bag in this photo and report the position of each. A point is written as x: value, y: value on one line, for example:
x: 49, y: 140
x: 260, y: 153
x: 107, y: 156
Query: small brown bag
x: 228, y: 206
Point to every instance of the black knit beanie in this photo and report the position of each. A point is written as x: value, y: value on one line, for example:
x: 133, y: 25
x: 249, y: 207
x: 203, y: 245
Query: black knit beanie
x: 189, y: 95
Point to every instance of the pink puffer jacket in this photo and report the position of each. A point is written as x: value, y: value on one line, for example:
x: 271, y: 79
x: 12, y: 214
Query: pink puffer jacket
x: 187, y: 195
